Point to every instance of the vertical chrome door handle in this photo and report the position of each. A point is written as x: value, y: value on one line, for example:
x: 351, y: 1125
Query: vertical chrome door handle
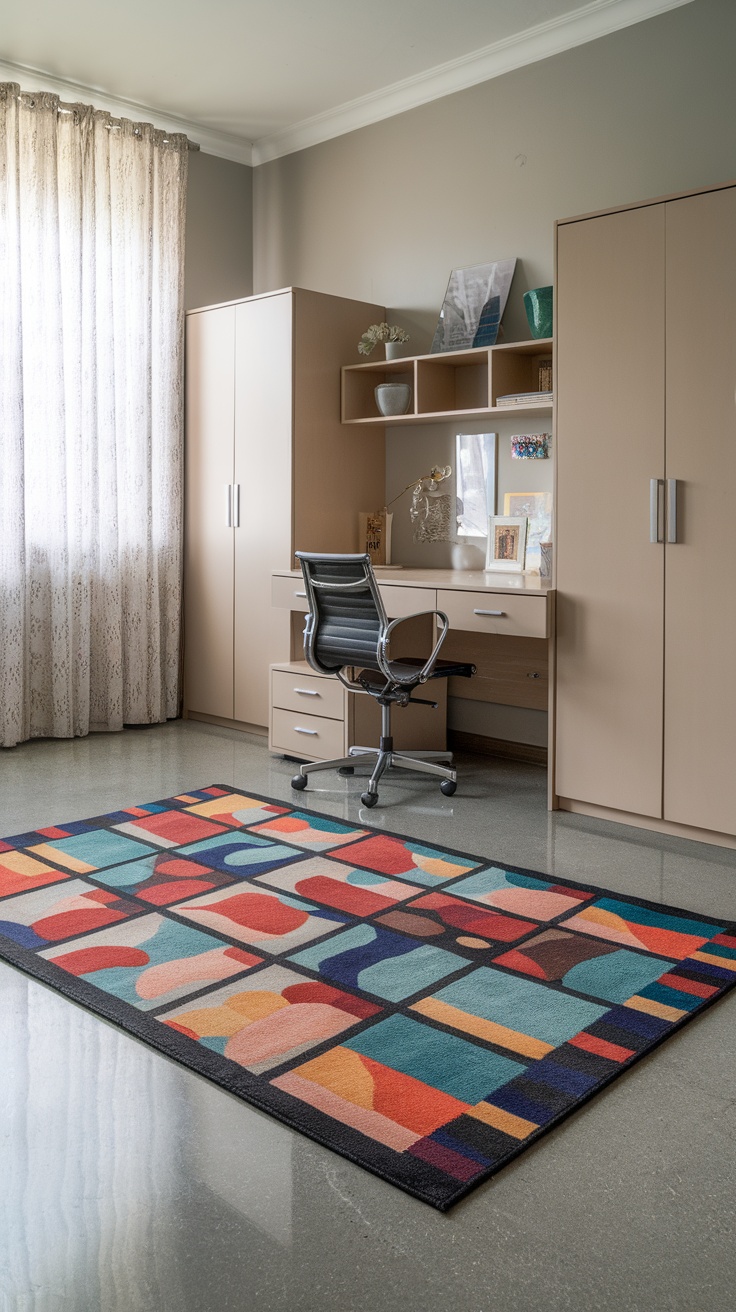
x: 672, y: 510
x: 229, y: 505
x: 236, y: 505
x: 656, y: 510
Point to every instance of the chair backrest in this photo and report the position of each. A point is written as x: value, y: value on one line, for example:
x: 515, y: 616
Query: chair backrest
x: 346, y: 615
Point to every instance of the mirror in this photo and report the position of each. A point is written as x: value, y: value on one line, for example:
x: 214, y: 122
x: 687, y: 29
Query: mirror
x: 475, y: 482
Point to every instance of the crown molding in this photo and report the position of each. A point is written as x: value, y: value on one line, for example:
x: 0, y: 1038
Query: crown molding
x: 223, y: 144
x: 597, y: 19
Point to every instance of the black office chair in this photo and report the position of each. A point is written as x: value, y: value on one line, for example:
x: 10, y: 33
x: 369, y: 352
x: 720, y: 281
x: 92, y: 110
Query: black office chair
x: 347, y: 630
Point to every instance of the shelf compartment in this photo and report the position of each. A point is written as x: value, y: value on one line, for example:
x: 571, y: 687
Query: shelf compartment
x: 453, y: 382
x: 515, y: 367
x: 359, y: 382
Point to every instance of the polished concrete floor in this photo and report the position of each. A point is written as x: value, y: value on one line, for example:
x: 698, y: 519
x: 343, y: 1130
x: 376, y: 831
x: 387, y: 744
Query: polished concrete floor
x: 128, y: 1184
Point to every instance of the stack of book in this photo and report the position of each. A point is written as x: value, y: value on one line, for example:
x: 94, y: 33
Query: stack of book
x: 523, y: 398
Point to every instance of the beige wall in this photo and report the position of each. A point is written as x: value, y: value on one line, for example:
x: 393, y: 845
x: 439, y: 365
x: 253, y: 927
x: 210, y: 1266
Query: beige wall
x: 219, y: 246
x: 384, y: 213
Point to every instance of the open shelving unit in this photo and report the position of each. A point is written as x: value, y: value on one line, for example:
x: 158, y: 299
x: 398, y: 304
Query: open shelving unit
x: 449, y: 385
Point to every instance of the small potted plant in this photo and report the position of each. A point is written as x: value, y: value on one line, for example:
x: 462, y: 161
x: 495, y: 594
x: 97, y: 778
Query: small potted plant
x: 393, y: 336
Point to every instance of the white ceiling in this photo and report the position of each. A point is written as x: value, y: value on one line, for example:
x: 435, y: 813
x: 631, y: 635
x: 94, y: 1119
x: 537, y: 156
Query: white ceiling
x: 252, y: 80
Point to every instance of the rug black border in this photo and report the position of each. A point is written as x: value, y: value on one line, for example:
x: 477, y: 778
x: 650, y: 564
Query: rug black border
x: 419, y: 1180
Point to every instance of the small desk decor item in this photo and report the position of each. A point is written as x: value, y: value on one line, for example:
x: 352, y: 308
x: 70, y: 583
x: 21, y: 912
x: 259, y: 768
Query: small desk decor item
x: 545, y: 375
x: 506, y: 542
x: 538, y: 306
x: 473, y: 306
x: 430, y: 509
x: 530, y: 446
x: 393, y: 398
x: 537, y: 507
x: 393, y: 336
x: 375, y: 535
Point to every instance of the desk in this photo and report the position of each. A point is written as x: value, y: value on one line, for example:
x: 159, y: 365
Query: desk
x: 501, y: 622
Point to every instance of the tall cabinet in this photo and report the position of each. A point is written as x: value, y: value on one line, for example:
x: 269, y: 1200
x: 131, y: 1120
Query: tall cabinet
x: 269, y: 470
x: 646, y: 532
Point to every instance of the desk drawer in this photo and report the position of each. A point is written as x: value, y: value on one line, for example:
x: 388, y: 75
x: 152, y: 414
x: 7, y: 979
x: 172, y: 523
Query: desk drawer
x: 524, y: 617
x: 307, y: 735
x: 400, y: 601
x: 308, y: 694
x: 288, y: 593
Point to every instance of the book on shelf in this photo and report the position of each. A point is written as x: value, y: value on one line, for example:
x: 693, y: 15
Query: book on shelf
x: 523, y: 398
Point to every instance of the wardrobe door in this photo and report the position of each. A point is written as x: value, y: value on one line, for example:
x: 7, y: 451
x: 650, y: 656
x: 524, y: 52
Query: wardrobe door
x: 263, y: 475
x: 610, y: 444
x: 208, y: 540
x: 700, y: 612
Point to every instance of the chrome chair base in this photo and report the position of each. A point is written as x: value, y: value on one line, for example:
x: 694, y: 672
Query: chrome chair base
x: 423, y: 762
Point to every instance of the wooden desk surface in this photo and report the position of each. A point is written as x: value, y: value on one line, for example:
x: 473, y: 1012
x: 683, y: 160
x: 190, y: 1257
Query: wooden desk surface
x: 462, y: 580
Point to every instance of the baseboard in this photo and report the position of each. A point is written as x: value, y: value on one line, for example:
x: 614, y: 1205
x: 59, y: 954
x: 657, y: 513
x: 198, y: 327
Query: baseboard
x: 259, y: 729
x: 459, y: 741
x: 670, y: 827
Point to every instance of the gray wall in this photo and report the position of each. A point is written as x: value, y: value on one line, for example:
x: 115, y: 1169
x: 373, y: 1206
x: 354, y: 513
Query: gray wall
x: 219, y: 240
x: 385, y: 213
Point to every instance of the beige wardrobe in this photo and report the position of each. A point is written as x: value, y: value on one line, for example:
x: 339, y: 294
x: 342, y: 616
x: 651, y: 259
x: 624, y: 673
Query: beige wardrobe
x: 269, y: 469
x: 646, y: 514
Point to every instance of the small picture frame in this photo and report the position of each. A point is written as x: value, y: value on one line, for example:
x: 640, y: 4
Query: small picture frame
x: 506, y: 542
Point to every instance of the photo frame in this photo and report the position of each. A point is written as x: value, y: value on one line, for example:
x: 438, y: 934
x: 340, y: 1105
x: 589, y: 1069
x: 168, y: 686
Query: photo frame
x: 374, y: 530
x: 537, y: 507
x: 506, y: 548
x: 473, y: 306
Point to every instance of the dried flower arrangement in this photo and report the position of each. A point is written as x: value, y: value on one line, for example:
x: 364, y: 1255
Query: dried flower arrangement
x: 380, y: 332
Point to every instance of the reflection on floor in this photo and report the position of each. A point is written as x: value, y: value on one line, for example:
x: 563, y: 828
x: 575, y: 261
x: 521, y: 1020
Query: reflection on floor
x: 132, y: 1185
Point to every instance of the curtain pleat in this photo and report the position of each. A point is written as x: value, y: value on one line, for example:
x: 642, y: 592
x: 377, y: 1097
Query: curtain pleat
x: 91, y: 418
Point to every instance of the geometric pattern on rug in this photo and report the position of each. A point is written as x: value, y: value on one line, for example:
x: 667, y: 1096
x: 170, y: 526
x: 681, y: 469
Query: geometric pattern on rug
x: 424, y: 1012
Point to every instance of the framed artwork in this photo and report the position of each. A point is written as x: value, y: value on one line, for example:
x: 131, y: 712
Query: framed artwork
x: 473, y: 306
x: 506, y: 542
x: 537, y: 507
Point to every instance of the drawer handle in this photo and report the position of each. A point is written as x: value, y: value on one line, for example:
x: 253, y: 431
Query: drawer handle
x: 300, y: 594
x: 307, y: 692
x: 311, y: 732
x: 499, y: 613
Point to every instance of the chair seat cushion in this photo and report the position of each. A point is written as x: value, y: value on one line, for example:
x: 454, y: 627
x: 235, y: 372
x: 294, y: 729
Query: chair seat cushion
x: 403, y: 668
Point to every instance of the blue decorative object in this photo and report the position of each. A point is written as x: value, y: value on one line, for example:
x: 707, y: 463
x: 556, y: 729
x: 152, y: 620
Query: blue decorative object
x: 530, y: 446
x: 490, y: 317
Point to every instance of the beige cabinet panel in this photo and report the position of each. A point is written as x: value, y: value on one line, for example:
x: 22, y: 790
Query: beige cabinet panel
x: 309, y: 694
x: 610, y: 444
x: 700, y: 612
x: 263, y: 444
x: 487, y: 612
x: 208, y: 541
x: 289, y: 593
x: 263, y: 416
x: 307, y: 736
x: 403, y: 602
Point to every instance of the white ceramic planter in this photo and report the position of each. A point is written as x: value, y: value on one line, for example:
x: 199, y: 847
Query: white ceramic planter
x: 393, y: 398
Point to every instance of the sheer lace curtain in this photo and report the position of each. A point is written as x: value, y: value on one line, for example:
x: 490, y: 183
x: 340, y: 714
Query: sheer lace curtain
x: 91, y: 414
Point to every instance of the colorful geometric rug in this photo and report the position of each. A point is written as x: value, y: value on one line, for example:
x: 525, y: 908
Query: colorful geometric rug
x: 425, y: 1013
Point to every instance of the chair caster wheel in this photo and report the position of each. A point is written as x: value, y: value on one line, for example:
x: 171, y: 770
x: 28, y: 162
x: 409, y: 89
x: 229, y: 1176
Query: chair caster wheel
x: 369, y: 799
x: 299, y: 782
x: 346, y: 769
x: 448, y: 787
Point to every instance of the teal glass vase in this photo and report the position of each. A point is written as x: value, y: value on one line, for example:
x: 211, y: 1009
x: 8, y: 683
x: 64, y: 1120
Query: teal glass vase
x: 538, y: 306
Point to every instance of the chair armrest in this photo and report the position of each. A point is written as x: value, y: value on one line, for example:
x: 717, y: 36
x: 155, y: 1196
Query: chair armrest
x: 429, y: 664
